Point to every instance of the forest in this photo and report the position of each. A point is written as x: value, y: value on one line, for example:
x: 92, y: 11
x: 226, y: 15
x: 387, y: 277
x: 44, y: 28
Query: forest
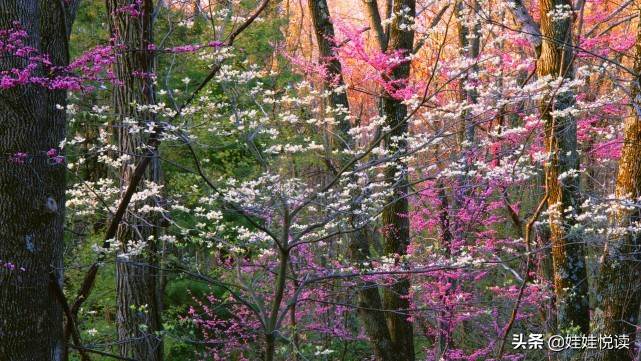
x: 327, y: 180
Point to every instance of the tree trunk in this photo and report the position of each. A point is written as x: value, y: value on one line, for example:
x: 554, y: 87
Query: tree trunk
x: 375, y: 23
x: 279, y: 293
x: 619, y: 279
x: 570, y: 275
x: 32, y: 194
x: 395, y: 215
x: 545, y: 272
x: 369, y: 299
x: 138, y: 302
x: 443, y: 340
x: 370, y: 306
x: 468, y: 48
x: 324, y: 30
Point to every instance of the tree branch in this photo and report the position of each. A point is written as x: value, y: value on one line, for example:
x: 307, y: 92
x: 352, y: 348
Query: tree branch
x: 531, y: 29
x: 152, y: 146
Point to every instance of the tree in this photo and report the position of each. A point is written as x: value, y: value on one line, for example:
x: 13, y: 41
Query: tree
x: 618, y: 283
x: 32, y: 186
x: 392, y: 339
x: 414, y: 186
x: 369, y: 300
x: 561, y: 170
x: 139, y: 304
x: 396, y: 227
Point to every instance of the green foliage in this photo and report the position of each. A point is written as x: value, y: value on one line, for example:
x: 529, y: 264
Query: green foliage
x: 97, y: 322
x: 180, y: 292
x: 90, y: 27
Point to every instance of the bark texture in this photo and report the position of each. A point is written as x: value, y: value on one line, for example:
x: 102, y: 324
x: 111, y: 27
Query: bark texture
x: 324, y: 31
x: 32, y: 194
x: 138, y: 302
x: 470, y: 44
x: 561, y: 172
x: 395, y: 216
x: 369, y: 299
x: 619, y: 279
x: 370, y: 305
x: 376, y: 25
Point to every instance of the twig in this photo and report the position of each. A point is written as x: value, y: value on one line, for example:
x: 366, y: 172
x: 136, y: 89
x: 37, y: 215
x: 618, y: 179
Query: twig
x: 57, y: 290
x: 102, y: 353
x: 526, y: 274
x: 140, y: 169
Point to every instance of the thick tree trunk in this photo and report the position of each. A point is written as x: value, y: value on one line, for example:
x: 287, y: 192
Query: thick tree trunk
x: 395, y: 215
x: 138, y: 302
x: 370, y: 306
x: 570, y: 276
x: 470, y: 45
x: 545, y: 271
x: 32, y: 194
x: 375, y: 23
x: 443, y: 341
x: 369, y: 300
x: 619, y: 279
x: 324, y: 31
